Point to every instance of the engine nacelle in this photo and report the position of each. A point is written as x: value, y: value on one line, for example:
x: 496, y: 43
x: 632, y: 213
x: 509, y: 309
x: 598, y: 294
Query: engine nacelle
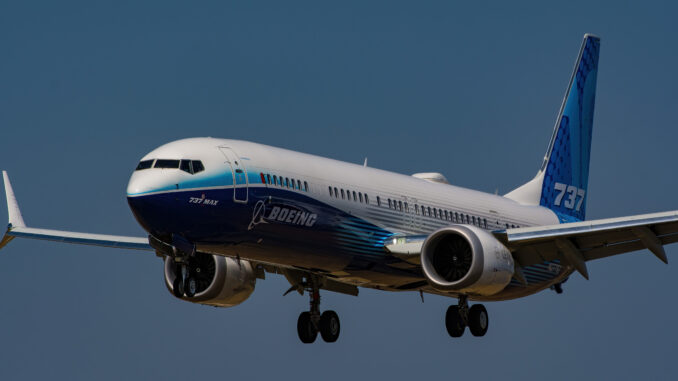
x: 466, y: 259
x: 222, y: 281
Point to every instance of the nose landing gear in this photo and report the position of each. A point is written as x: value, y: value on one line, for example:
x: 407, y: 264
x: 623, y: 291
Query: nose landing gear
x: 311, y: 322
x: 460, y: 316
x: 185, y: 283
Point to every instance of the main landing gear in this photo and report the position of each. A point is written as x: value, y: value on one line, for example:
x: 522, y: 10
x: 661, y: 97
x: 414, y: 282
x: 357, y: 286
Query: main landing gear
x: 460, y: 316
x: 311, y: 322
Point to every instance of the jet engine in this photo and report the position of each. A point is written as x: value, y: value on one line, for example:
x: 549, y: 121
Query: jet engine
x: 221, y: 281
x: 466, y: 259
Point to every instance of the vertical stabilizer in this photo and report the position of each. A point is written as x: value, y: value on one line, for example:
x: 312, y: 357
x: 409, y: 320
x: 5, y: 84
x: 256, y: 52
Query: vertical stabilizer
x: 562, y: 180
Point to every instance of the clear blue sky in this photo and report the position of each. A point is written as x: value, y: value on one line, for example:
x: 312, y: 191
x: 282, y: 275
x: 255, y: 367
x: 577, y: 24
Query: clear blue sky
x: 468, y: 89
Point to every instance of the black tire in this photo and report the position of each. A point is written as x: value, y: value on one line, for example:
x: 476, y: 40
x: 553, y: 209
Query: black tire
x: 305, y: 328
x: 191, y: 287
x: 329, y: 326
x: 453, y: 322
x: 178, y: 287
x: 478, y: 320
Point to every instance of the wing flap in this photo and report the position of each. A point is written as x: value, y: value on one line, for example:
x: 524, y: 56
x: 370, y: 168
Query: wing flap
x: 593, y: 239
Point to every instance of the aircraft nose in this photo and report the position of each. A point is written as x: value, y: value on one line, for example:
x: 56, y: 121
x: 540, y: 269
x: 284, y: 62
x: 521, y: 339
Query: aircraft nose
x: 136, y: 185
x: 149, y: 181
x: 151, y: 206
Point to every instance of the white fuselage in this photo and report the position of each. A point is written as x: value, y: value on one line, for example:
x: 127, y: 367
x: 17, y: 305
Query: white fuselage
x: 335, y: 217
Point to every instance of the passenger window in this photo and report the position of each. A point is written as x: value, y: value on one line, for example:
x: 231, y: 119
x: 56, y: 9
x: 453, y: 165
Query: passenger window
x: 197, y: 166
x: 407, y: 210
x: 305, y: 186
x: 275, y: 180
x: 360, y: 196
x: 144, y: 165
x: 354, y: 197
x: 268, y: 177
x: 423, y: 210
x: 287, y: 182
x: 485, y: 222
x: 367, y: 199
x: 447, y: 217
x: 378, y: 201
x: 280, y: 181
x: 299, y: 184
x: 330, y: 188
x: 336, y: 192
x: 429, y: 211
x: 389, y: 204
x: 342, y: 194
x: 416, y: 209
x: 166, y: 163
x: 474, y: 220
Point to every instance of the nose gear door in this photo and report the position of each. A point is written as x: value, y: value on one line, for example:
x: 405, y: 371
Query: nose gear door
x: 240, y: 182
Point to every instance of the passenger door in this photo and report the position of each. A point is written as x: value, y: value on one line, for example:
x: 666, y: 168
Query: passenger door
x: 239, y: 174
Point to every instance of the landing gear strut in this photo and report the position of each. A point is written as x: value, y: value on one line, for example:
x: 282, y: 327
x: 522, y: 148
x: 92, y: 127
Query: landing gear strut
x: 311, y: 322
x: 460, y: 316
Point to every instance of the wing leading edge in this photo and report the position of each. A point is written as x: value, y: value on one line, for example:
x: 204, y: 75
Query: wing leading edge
x: 17, y: 229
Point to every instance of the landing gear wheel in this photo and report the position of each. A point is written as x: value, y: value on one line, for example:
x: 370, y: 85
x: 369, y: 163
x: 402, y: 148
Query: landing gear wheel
x: 191, y: 287
x: 178, y: 287
x: 454, y: 322
x: 478, y: 320
x: 329, y: 326
x: 305, y: 328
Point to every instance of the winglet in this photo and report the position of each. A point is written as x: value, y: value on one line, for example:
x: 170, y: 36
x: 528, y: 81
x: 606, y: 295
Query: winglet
x: 15, y: 218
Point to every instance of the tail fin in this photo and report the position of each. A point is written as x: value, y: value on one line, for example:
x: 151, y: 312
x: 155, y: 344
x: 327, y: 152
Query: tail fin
x: 562, y: 180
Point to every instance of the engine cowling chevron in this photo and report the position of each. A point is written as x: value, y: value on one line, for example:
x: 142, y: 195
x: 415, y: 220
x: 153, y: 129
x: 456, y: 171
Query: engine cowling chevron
x: 466, y: 259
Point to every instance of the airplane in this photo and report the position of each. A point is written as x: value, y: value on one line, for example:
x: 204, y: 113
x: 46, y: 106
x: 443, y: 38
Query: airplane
x: 223, y: 213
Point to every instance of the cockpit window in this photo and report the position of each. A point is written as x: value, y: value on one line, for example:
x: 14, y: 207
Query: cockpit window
x: 186, y: 166
x: 166, y: 163
x: 145, y: 164
x: 191, y: 166
x: 197, y: 166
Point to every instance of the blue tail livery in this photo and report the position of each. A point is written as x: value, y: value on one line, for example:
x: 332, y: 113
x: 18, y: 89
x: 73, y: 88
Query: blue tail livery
x: 562, y: 181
